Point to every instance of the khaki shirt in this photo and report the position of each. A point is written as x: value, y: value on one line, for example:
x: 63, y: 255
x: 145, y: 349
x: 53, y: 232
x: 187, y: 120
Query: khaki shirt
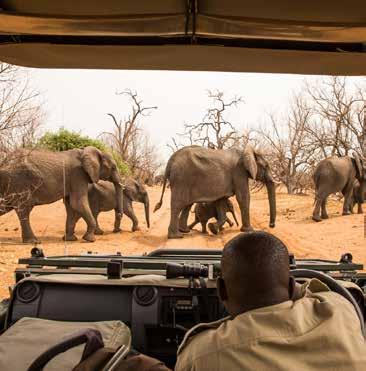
x: 319, y: 331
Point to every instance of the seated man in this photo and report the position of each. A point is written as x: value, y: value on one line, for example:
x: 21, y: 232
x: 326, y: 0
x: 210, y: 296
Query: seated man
x: 273, y: 325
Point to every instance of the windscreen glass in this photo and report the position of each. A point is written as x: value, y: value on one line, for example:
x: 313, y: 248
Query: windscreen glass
x: 131, y: 161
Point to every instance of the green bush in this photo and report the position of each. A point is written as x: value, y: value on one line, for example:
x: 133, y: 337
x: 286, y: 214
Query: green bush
x: 121, y: 165
x: 64, y: 139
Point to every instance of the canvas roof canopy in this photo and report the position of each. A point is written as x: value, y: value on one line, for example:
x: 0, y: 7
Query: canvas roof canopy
x: 286, y: 36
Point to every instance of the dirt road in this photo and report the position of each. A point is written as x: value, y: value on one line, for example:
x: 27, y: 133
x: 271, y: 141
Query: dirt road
x: 305, y: 238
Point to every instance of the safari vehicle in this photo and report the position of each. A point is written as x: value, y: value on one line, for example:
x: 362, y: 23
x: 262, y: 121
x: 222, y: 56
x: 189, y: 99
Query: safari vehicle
x: 161, y: 295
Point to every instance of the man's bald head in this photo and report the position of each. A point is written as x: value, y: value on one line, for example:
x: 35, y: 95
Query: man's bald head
x: 254, y: 272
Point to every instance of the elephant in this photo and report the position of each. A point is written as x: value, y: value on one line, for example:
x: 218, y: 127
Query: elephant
x: 102, y: 197
x: 41, y: 177
x: 358, y: 196
x: 198, y: 174
x: 336, y: 174
x: 206, y: 210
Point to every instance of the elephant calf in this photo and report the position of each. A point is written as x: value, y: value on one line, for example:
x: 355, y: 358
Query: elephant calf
x: 206, y: 210
x: 358, y: 197
x: 102, y: 198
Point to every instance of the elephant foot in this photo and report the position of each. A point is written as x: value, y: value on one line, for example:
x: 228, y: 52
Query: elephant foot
x: 99, y: 231
x: 185, y: 230
x: 172, y: 235
x: 325, y: 216
x: 135, y: 228
x: 31, y: 239
x: 71, y: 237
x: 272, y: 225
x: 117, y: 230
x: 213, y: 228
x: 89, y: 237
x: 246, y: 229
x: 346, y: 213
x: 316, y: 218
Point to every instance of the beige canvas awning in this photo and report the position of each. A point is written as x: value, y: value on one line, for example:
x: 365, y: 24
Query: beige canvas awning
x: 311, y: 37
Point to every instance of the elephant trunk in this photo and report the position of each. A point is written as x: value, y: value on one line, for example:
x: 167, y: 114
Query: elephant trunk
x: 272, y: 203
x: 119, y: 197
x: 147, y: 210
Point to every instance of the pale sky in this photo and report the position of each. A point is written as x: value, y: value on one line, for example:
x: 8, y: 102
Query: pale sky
x: 80, y: 99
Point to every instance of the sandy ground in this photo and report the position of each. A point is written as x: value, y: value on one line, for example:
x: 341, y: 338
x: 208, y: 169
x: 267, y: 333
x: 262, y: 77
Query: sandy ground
x: 305, y: 238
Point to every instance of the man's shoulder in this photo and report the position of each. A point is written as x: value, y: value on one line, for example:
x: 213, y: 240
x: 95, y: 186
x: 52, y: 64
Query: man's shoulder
x: 196, y: 333
x: 199, y: 343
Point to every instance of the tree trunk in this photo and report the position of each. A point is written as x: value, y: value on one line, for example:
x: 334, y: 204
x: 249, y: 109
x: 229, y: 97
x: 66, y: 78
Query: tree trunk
x: 363, y: 149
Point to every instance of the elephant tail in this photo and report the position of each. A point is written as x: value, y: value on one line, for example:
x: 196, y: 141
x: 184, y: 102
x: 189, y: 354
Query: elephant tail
x: 160, y: 203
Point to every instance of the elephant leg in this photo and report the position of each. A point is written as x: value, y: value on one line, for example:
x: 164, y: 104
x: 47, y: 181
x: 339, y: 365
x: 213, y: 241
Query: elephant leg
x: 117, y: 221
x: 351, y: 207
x: 324, y: 213
x: 221, y: 219
x: 23, y: 214
x: 128, y: 211
x: 347, y: 193
x: 204, y: 226
x: 72, y: 218
x: 229, y: 221
x: 316, y: 212
x: 196, y: 221
x: 359, y: 208
x: 176, y: 206
x: 183, y: 219
x: 80, y: 204
x: 243, y: 197
x: 98, y: 231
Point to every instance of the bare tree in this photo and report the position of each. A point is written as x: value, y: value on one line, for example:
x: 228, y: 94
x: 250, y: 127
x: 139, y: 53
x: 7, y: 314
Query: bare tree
x: 20, y: 120
x: 20, y: 111
x: 290, y: 152
x: 214, y: 130
x: 130, y: 141
x: 338, y: 124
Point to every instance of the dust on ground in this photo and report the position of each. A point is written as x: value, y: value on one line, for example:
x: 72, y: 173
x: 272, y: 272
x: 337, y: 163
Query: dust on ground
x: 305, y: 238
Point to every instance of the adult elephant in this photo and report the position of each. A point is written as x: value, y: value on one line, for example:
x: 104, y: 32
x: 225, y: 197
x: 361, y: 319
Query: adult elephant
x: 41, y: 177
x: 198, y: 174
x: 102, y: 197
x: 336, y: 174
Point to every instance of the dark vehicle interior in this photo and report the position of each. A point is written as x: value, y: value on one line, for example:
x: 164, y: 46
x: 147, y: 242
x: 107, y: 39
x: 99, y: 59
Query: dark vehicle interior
x: 159, y: 296
x: 164, y: 293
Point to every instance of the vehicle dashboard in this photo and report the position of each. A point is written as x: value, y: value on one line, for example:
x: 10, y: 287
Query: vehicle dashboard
x: 159, y: 296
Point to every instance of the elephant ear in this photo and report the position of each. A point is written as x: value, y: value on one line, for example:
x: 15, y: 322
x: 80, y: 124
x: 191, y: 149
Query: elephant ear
x: 358, y: 165
x: 250, y: 162
x: 91, y: 162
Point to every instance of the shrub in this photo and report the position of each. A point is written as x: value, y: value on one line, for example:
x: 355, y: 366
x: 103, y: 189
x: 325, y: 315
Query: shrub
x: 64, y: 139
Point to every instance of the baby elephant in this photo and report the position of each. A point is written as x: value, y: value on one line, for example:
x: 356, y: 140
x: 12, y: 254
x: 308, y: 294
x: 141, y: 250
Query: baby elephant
x: 102, y: 198
x: 357, y: 197
x: 206, y: 210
